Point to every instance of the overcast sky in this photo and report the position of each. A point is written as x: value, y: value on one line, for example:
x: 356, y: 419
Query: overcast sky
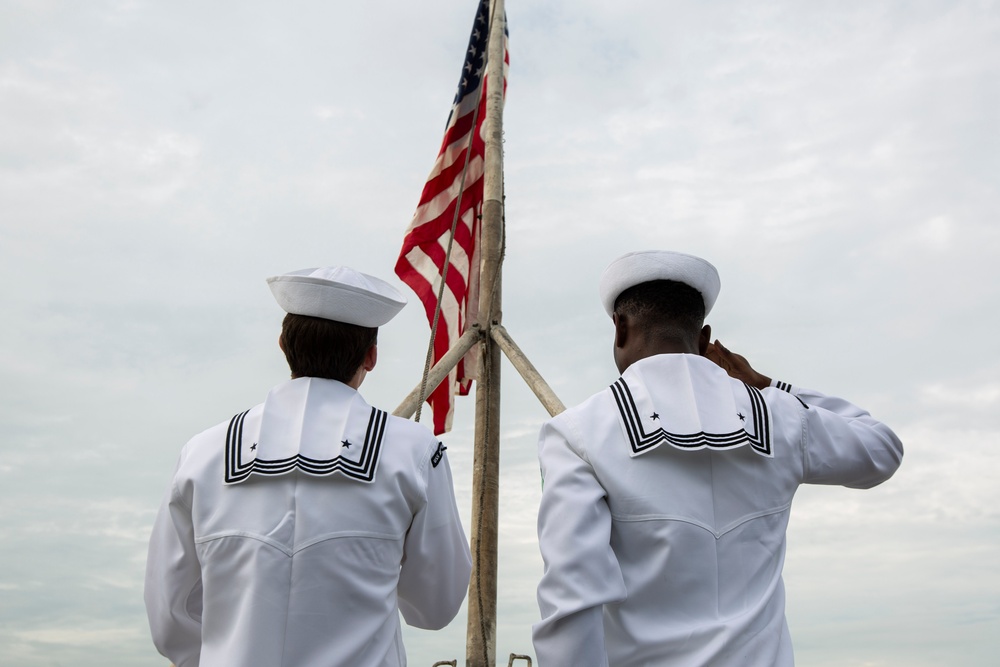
x: 839, y: 162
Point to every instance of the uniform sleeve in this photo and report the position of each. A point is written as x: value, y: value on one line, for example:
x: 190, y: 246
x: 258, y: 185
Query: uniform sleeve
x: 842, y: 443
x: 173, y: 592
x: 581, y: 572
x: 434, y: 577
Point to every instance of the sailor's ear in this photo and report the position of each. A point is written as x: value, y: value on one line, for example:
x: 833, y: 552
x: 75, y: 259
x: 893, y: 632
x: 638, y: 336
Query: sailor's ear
x: 281, y: 341
x: 704, y: 338
x: 371, y: 358
x: 621, y: 329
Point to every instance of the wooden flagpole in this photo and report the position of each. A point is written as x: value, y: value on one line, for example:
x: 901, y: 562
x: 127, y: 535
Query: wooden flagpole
x: 480, y: 648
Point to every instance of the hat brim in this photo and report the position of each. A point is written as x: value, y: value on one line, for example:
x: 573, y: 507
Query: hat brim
x: 635, y: 268
x: 317, y: 297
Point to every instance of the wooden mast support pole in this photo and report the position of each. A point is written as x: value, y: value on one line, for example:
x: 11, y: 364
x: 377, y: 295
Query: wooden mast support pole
x: 480, y: 649
x: 438, y: 372
x: 528, y: 372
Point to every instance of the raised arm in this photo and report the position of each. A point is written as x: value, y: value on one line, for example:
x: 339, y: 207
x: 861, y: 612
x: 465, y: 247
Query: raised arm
x: 843, y: 444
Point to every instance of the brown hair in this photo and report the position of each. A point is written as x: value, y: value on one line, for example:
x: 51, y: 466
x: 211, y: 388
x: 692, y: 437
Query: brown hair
x: 315, y: 347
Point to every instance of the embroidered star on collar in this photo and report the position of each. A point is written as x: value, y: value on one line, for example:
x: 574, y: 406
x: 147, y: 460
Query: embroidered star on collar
x: 741, y: 416
x: 655, y: 416
x: 346, y: 444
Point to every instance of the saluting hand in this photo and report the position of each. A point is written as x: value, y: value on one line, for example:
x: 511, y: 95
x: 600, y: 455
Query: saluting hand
x: 736, y: 365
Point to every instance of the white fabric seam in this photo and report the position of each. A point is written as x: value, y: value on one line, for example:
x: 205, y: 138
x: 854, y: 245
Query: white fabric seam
x: 718, y: 534
x: 290, y: 551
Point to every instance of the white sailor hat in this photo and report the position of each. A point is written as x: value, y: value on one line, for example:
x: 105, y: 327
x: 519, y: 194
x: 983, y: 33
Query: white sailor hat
x: 337, y: 293
x: 639, y: 267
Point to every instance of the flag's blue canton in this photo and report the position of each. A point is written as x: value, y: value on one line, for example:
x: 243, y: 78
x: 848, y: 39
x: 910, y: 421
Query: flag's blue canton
x: 475, y: 56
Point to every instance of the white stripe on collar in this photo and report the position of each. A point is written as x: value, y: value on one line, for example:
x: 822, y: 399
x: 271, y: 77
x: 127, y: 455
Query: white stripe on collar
x: 697, y: 406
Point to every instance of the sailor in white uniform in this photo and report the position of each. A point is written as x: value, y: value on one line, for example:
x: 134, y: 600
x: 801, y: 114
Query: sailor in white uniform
x: 296, y: 532
x: 666, y: 496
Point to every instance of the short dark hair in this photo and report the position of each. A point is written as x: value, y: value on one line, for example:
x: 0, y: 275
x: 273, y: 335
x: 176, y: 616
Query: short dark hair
x: 315, y: 347
x: 666, y: 309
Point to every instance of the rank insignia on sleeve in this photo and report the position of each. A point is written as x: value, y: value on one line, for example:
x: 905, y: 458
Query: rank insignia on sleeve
x: 438, y: 454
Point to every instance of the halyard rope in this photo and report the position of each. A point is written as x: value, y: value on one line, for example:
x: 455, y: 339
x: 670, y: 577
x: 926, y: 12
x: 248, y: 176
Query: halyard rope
x: 447, y: 263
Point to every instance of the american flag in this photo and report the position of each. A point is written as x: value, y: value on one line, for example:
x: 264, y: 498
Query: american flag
x: 423, y: 256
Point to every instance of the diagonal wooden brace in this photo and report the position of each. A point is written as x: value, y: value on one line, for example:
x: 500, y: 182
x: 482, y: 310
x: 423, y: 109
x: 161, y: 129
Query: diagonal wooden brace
x: 527, y: 370
x: 439, y: 372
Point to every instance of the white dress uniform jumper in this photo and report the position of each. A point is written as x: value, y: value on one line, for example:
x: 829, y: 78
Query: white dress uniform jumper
x: 295, y: 533
x: 664, y: 508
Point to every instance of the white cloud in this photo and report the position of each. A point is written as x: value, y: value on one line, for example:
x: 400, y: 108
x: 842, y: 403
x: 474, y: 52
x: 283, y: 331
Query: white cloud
x: 936, y: 232
x: 984, y: 397
x: 91, y: 638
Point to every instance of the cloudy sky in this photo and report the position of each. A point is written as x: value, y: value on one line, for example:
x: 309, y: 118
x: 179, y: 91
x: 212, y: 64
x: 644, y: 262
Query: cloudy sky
x: 838, y: 162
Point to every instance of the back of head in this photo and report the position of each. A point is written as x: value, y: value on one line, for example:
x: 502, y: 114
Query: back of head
x: 333, y: 318
x: 665, y: 294
x: 665, y: 310
x: 321, y: 348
